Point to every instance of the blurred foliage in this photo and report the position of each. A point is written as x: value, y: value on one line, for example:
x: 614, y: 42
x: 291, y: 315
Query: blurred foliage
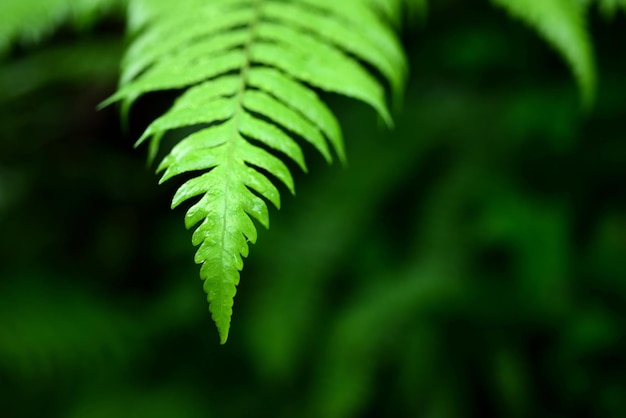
x: 470, y: 263
x: 563, y: 24
x: 28, y: 21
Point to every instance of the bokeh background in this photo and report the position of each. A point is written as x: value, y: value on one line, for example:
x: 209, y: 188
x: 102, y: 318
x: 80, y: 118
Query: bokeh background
x: 470, y: 262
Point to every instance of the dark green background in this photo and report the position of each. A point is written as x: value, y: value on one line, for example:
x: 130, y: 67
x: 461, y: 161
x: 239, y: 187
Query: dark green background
x: 470, y: 262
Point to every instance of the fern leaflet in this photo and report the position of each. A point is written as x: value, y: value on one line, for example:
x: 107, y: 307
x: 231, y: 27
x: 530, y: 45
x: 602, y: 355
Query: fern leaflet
x: 561, y: 23
x: 248, y: 67
x: 29, y: 20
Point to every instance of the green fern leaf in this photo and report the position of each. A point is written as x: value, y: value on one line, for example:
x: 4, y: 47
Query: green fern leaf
x: 248, y: 67
x: 562, y: 24
x: 29, y: 21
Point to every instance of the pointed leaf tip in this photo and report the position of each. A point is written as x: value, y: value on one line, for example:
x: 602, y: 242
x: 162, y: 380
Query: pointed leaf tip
x: 223, y: 333
x: 563, y: 24
x: 249, y: 100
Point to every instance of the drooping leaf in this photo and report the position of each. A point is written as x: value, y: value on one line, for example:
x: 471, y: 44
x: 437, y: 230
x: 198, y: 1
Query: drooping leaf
x: 562, y: 24
x: 249, y: 68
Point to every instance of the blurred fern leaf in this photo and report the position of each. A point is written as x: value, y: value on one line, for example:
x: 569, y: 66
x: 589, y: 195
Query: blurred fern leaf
x: 248, y: 67
x: 610, y: 7
x: 562, y: 24
x: 30, y: 20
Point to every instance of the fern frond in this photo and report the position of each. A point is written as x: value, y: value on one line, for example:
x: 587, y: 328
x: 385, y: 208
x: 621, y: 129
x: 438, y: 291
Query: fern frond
x: 562, y: 24
x: 249, y: 67
x: 29, y: 20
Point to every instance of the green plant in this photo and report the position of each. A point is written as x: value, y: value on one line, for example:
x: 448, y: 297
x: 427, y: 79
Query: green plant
x: 467, y: 263
x: 251, y: 71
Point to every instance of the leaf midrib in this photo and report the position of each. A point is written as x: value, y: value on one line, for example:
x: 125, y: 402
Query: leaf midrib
x: 230, y: 154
